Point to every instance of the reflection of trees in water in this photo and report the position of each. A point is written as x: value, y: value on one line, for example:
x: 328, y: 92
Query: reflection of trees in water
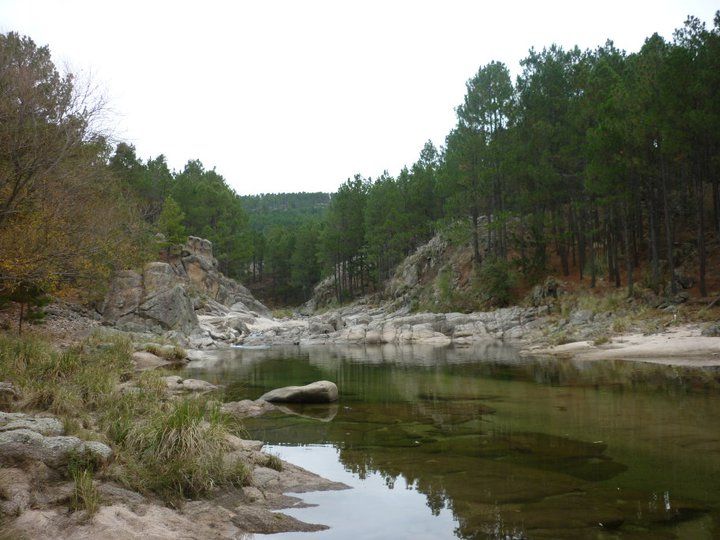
x: 349, y: 366
x: 421, y: 414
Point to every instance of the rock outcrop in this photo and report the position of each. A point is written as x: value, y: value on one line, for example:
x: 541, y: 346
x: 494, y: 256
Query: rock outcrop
x: 170, y: 296
x: 363, y: 324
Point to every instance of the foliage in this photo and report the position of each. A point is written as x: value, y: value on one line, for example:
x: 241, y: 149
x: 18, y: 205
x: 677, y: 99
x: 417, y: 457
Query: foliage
x: 494, y: 282
x: 85, y: 495
x: 170, y: 222
x: 62, y: 219
x: 599, y: 158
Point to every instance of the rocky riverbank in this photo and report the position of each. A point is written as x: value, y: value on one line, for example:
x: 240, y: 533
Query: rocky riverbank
x: 85, y: 450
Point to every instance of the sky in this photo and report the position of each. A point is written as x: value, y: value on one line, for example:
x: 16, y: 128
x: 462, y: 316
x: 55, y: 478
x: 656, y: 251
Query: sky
x: 284, y: 96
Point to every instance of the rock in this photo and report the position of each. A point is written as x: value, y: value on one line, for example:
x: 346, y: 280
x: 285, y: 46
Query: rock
x: 712, y: 330
x: 170, y: 309
x: 178, y: 384
x: 201, y: 268
x: 165, y: 297
x: 123, y: 297
x: 264, y: 477
x: 8, y: 394
x: 146, y: 360
x: 581, y: 316
x: 336, y: 321
x: 256, y: 520
x: 39, y: 424
x: 316, y: 327
x: 98, y: 450
x: 158, y: 276
x: 317, y: 392
x: 14, y: 491
x: 27, y: 445
x: 246, y: 445
x: 247, y: 408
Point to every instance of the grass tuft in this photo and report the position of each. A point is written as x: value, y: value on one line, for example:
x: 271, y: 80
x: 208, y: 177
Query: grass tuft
x: 178, y: 451
x: 274, y: 462
x: 85, y: 495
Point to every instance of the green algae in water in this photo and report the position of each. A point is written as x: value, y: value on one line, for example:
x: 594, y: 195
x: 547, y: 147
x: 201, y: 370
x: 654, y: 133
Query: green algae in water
x: 511, y: 447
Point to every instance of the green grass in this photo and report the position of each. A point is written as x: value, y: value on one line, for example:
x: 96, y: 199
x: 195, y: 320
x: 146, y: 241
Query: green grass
x: 601, y: 340
x: 283, y: 313
x: 178, y: 451
x: 175, y: 448
x: 85, y: 495
x: 64, y: 382
x: 274, y: 462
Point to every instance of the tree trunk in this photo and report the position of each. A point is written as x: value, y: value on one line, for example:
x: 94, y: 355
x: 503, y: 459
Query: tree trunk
x: 476, y: 237
x: 668, y: 228
x: 701, y: 236
x: 654, y: 247
x: 628, y: 255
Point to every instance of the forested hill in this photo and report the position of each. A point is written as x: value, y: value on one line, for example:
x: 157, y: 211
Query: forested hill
x: 269, y: 210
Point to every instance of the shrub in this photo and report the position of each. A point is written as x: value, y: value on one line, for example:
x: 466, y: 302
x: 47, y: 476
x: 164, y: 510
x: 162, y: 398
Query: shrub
x: 494, y: 282
x: 168, y: 352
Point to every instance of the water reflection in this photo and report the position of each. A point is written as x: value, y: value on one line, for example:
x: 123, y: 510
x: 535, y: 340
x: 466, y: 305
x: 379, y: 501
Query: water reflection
x: 512, y: 447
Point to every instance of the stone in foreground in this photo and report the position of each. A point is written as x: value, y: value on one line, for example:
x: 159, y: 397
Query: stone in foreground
x: 317, y: 392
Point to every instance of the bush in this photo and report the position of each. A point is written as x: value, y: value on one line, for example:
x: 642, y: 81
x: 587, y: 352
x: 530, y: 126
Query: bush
x: 494, y: 282
x: 172, y: 353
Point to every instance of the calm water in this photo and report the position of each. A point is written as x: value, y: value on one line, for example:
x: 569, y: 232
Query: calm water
x: 480, y: 443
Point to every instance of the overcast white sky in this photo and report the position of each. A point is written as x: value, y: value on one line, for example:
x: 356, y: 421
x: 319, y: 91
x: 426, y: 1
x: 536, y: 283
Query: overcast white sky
x: 300, y: 95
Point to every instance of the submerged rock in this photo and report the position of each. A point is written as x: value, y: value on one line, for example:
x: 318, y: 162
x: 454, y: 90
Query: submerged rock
x: 317, y: 392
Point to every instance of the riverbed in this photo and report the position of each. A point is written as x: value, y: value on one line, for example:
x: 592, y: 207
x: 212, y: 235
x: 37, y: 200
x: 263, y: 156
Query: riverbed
x: 481, y: 442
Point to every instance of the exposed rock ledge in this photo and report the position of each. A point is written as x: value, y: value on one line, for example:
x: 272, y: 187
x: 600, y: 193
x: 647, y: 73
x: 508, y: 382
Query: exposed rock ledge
x: 34, y: 493
x: 362, y: 324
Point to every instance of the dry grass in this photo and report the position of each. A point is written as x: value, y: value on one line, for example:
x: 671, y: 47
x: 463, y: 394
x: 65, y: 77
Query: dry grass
x: 175, y: 448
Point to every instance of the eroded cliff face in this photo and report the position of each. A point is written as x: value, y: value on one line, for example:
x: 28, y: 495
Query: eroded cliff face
x: 169, y: 296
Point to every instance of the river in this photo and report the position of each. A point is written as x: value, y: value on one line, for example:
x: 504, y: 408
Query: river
x: 483, y: 443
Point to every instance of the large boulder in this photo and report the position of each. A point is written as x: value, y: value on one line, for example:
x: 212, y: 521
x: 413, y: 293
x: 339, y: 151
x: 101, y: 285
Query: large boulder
x: 124, y: 295
x: 317, y: 392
